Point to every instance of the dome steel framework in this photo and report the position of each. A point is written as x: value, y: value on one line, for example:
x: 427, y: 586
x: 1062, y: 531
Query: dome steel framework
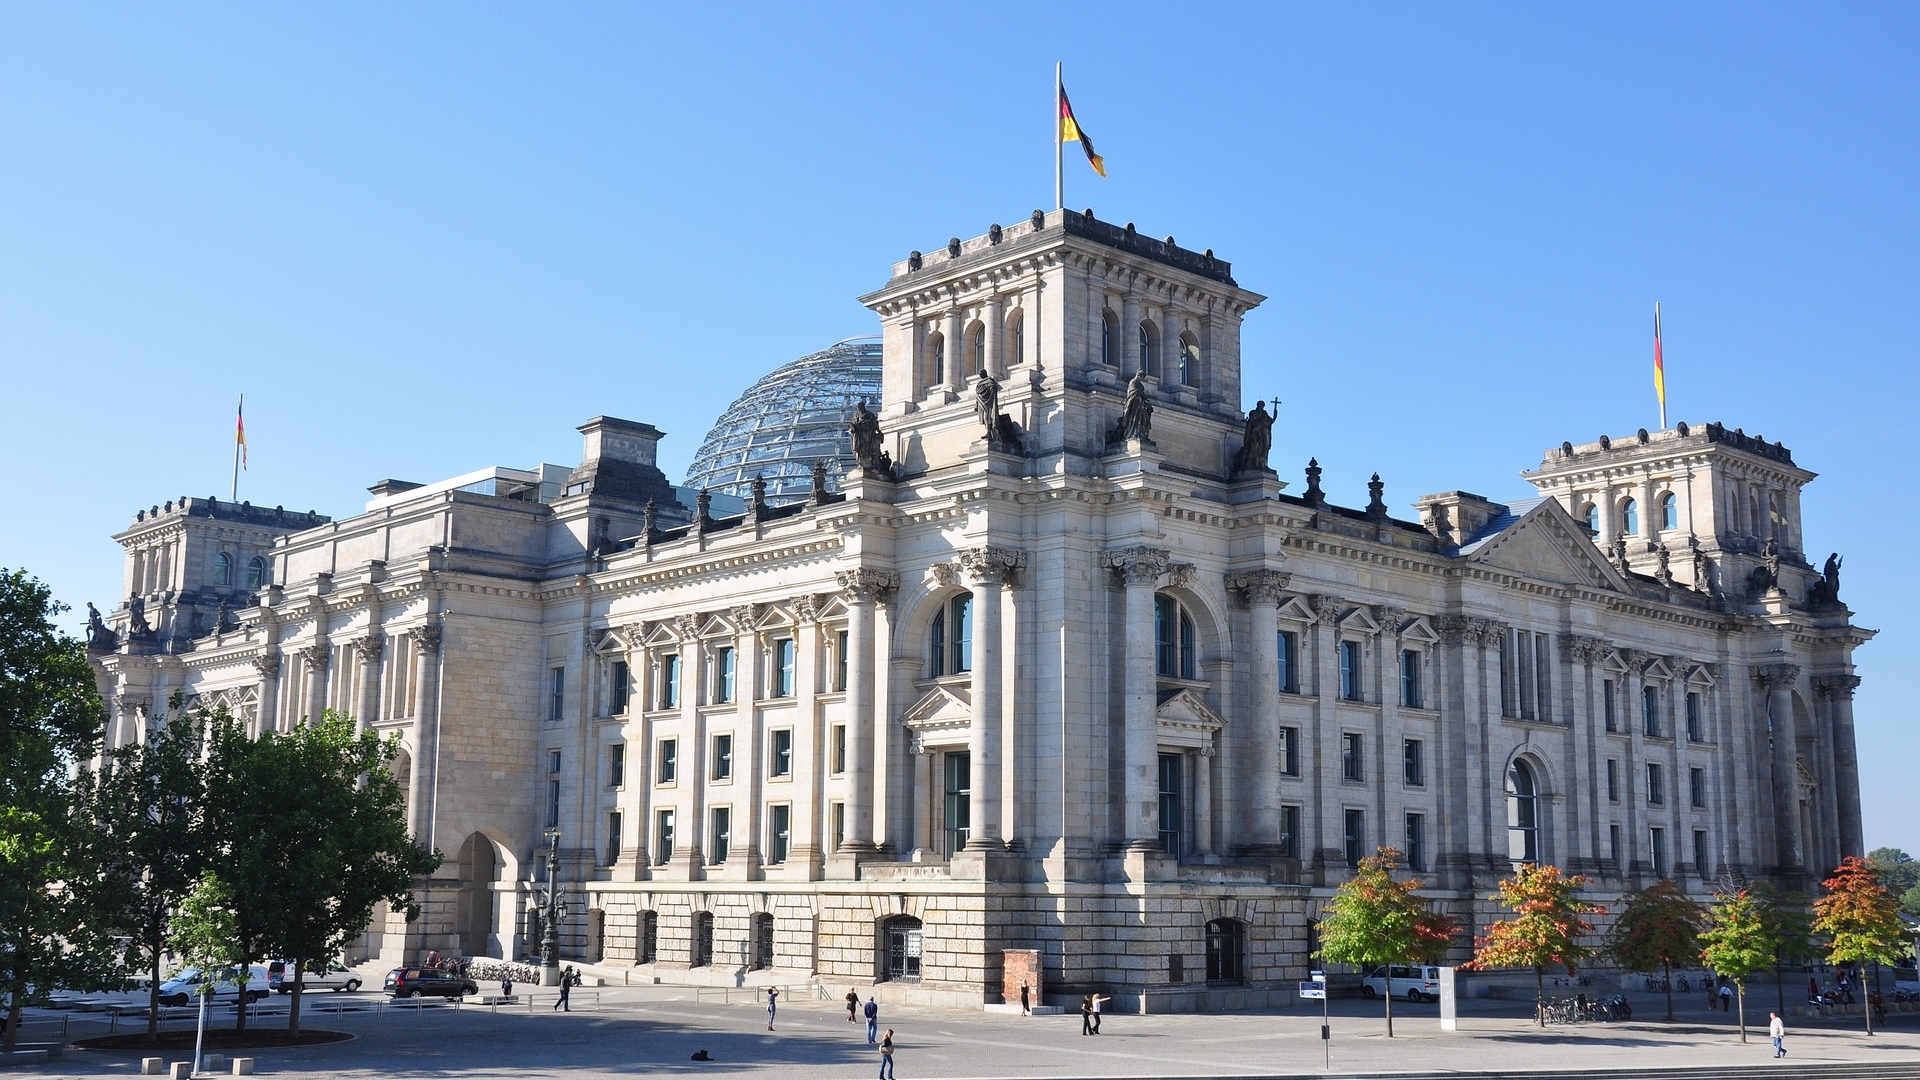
x: 794, y: 416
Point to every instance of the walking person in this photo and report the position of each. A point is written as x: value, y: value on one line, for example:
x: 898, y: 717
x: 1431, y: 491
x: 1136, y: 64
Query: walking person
x: 506, y: 986
x: 1778, y: 1032
x: 566, y: 987
x: 873, y: 1021
x: 1086, y: 1014
x: 1726, y: 996
x: 1098, y: 1000
x: 773, y: 1002
x: 853, y: 1004
x: 886, y: 1056
x: 1026, y: 1002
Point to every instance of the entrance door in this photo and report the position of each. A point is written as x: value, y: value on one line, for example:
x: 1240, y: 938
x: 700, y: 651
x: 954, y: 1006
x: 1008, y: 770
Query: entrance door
x: 903, y: 945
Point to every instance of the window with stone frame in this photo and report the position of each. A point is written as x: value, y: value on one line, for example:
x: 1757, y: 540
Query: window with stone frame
x: 1176, y: 650
x: 1288, y: 645
x: 667, y: 768
x: 950, y: 638
x: 1290, y: 831
x: 723, y: 675
x: 1351, y: 687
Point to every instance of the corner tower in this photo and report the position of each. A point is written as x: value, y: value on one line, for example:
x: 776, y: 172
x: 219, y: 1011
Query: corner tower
x: 1062, y: 310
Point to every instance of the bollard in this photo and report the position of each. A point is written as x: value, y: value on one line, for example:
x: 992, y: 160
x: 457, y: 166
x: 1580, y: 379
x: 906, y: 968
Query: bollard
x: 182, y: 1070
x: 242, y: 1066
x: 213, y: 1062
x: 152, y: 1066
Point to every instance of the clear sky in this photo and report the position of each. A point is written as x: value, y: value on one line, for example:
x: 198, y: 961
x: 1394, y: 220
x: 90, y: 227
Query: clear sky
x: 424, y: 239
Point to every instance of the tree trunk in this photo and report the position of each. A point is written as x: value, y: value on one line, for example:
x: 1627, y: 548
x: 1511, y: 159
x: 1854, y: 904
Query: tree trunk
x: 1389, y: 1001
x: 299, y: 985
x: 1540, y: 996
x: 13, y: 1023
x: 1668, y: 968
x: 1740, y: 993
x: 153, y: 994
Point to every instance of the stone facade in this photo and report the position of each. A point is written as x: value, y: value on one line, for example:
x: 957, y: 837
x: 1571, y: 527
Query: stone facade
x: 1068, y: 671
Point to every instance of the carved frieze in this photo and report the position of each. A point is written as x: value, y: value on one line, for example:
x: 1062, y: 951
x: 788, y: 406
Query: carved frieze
x: 1389, y: 618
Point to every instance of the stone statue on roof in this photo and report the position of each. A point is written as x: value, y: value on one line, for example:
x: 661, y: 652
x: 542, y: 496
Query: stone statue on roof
x: 867, y: 451
x: 1136, y: 419
x: 1256, y: 441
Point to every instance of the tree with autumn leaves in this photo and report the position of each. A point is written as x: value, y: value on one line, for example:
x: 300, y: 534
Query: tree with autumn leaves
x: 1659, y: 928
x: 1546, y: 930
x: 1375, y: 920
x: 1859, y: 919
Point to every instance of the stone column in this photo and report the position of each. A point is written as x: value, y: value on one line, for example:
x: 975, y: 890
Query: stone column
x: 369, y: 649
x: 955, y: 337
x: 1846, y: 760
x: 990, y: 568
x: 923, y: 796
x: 1776, y: 682
x: 1140, y: 569
x: 1324, y: 857
x: 865, y: 588
x: 1262, y: 590
x: 1130, y: 358
x: 317, y: 657
x: 426, y: 730
x: 992, y: 326
x: 268, y: 665
x: 1203, y: 801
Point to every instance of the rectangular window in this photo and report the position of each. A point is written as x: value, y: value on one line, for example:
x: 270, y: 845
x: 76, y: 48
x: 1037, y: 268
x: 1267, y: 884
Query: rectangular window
x: 1523, y: 667
x: 613, y: 838
x: 553, y: 761
x: 1650, y: 710
x: 1351, y: 765
x: 1694, y: 731
x: 557, y: 693
x: 1613, y: 780
x: 1290, y: 751
x: 840, y: 661
x: 617, y: 765
x: 620, y: 686
x: 1697, y: 788
x: 723, y: 675
x: 1350, y: 671
x: 720, y: 840
x: 723, y: 757
x: 1290, y: 831
x: 1613, y: 843
x: 1410, y: 679
x: 1658, y: 838
x: 669, y: 681
x: 1543, y: 678
x: 1414, y: 757
x: 1356, y: 837
x: 1702, y: 864
x: 663, y: 837
x: 783, y: 667
x: 779, y: 832
x: 1656, y: 793
x: 553, y: 804
x: 1607, y: 706
x: 1416, y: 841
x: 958, y: 774
x: 1289, y: 646
x: 669, y: 768
x: 780, y: 762
x: 1171, y: 767
x: 838, y: 764
x: 837, y: 822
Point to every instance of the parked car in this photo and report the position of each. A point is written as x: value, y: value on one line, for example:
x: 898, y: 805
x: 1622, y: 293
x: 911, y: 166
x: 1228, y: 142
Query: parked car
x: 280, y: 976
x: 429, y: 982
x: 1414, y: 983
x: 185, y: 986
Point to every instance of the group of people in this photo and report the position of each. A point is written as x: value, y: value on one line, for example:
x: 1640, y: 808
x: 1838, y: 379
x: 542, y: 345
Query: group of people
x: 871, y: 1010
x: 1090, y: 1013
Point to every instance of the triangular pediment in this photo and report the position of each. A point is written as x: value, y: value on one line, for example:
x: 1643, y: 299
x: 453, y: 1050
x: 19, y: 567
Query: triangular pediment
x: 1185, y: 719
x: 1295, y: 609
x: 1419, y: 630
x: 1360, y: 621
x: 1657, y: 669
x: 1545, y: 543
x: 941, y: 717
x: 1702, y: 677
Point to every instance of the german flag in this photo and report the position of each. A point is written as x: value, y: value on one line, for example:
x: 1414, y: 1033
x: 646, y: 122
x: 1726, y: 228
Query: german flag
x: 1070, y: 132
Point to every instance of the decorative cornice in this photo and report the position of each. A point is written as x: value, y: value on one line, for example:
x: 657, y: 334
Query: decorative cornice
x: 1138, y: 565
x: 1259, y: 586
x: 865, y: 586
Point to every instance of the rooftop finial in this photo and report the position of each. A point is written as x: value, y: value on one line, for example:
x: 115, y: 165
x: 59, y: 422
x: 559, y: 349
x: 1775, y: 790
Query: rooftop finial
x: 1314, y: 495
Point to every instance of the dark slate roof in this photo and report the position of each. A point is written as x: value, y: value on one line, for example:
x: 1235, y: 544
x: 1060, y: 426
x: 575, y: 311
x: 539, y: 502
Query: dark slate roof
x: 1501, y: 522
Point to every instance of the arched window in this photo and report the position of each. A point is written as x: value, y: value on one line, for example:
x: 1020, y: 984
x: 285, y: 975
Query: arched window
x: 1109, y: 338
x: 1629, y: 517
x: 1176, y: 652
x: 702, y: 944
x: 936, y: 359
x: 648, y: 948
x: 901, y: 946
x: 1149, y: 363
x: 976, y: 350
x: 223, y: 569
x: 1016, y: 338
x: 1523, y: 814
x: 1669, y: 511
x: 950, y: 639
x: 256, y: 573
x: 761, y: 941
x: 1226, y: 950
x: 1591, y: 515
x: 1187, y: 365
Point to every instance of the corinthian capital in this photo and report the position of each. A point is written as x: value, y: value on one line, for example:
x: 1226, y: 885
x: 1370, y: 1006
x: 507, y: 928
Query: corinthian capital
x: 992, y: 565
x: 317, y: 656
x: 370, y: 646
x: 1389, y: 619
x: 426, y: 639
x: 1138, y: 565
x: 1259, y: 586
x: 1775, y: 676
x: 866, y: 586
x: 267, y: 664
x: 1326, y: 607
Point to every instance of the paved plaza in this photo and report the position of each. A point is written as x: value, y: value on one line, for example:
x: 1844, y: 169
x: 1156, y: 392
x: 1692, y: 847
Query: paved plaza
x: 620, y: 1032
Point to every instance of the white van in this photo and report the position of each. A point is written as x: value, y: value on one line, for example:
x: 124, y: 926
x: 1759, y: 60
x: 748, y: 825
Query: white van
x: 1412, y: 982
x: 184, y: 987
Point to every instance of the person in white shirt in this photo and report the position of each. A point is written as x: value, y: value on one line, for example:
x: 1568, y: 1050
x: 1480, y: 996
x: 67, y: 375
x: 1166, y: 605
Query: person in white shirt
x: 1778, y: 1031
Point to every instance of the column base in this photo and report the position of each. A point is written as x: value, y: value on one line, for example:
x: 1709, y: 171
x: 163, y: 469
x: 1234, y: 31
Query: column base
x: 1143, y: 860
x: 983, y: 863
x: 844, y: 864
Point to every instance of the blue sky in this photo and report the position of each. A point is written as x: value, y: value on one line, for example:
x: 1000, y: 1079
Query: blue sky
x: 428, y: 238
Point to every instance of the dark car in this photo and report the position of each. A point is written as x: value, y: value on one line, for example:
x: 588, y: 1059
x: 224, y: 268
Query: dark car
x: 428, y: 982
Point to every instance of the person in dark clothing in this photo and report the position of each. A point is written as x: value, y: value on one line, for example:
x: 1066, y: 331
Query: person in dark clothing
x: 1086, y: 1015
x: 853, y: 1004
x: 873, y: 1021
x: 886, y: 1056
x: 567, y: 976
x: 1026, y: 1002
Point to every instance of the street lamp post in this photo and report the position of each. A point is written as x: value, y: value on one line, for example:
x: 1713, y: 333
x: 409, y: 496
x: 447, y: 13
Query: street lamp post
x: 553, y: 907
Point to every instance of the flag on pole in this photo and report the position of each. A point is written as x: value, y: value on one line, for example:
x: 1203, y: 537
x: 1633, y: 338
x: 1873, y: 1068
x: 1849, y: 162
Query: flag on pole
x: 240, y: 431
x: 1659, y: 367
x: 1070, y: 132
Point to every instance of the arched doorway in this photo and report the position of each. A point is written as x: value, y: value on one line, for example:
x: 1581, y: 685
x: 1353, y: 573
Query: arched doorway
x: 474, y: 907
x: 901, y: 946
x: 1523, y: 813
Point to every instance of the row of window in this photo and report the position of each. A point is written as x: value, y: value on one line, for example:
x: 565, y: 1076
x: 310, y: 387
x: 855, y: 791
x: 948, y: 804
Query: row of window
x: 700, y: 942
x: 779, y: 834
x: 224, y: 566
x: 1182, y: 369
x: 1353, y: 686
x: 1627, y: 515
x: 974, y: 348
x: 721, y: 684
x: 1651, y: 722
x: 1656, y: 784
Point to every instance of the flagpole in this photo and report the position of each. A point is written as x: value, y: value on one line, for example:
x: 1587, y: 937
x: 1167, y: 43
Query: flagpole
x: 1660, y: 352
x: 1059, y: 166
x: 239, y: 415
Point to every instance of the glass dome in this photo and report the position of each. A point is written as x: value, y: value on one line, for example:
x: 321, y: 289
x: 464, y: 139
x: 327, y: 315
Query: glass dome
x: 792, y: 417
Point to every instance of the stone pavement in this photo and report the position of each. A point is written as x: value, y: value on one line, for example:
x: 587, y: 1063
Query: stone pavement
x: 623, y: 1032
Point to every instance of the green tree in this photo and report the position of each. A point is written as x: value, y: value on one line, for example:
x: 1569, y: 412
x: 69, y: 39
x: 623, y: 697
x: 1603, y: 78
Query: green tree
x: 1546, y: 930
x: 1910, y: 902
x: 311, y: 829
x: 1658, y: 928
x: 1896, y: 869
x: 1790, y: 926
x: 1857, y: 916
x: 50, y: 718
x: 1740, y: 938
x: 1374, y: 919
x: 146, y: 800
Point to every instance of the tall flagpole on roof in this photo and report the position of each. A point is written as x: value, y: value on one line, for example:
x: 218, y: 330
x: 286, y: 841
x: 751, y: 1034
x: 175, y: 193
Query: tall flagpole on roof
x: 1059, y: 164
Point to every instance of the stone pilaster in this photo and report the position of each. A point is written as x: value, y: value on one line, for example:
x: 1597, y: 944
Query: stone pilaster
x: 989, y: 568
x: 864, y: 588
x: 1139, y: 570
x: 1262, y: 591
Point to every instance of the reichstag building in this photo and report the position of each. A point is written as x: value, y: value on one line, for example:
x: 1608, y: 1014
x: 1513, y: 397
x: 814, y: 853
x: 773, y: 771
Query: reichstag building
x: 993, y: 648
